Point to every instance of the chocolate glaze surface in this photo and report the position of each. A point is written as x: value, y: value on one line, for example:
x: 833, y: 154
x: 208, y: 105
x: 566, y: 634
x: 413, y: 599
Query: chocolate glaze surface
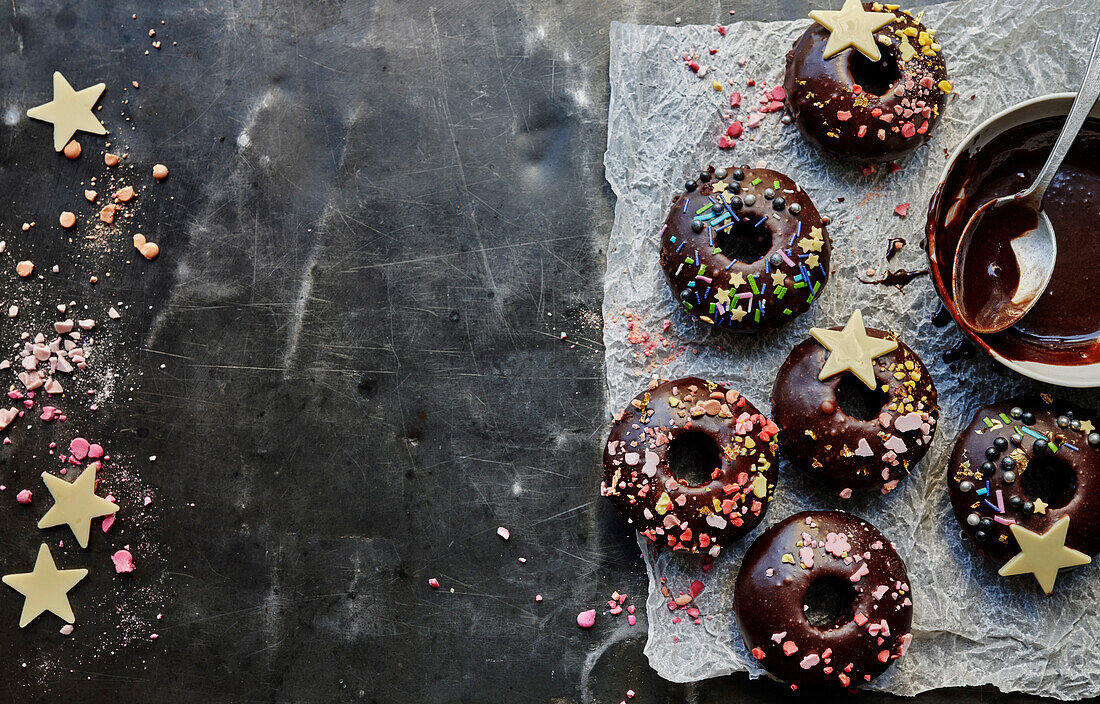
x: 784, y: 258
x: 988, y: 490
x: 1064, y: 326
x: 872, y: 628
x: 845, y: 452
x: 667, y: 509
x: 991, y: 266
x: 867, y: 111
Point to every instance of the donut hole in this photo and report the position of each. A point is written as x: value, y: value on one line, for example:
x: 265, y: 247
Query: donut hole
x: 693, y: 456
x: 857, y: 401
x: 829, y: 602
x: 875, y: 77
x: 1049, y: 478
x: 748, y: 241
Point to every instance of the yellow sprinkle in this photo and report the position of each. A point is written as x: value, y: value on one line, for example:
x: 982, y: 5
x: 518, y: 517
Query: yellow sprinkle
x: 945, y: 86
x: 663, y: 503
x: 674, y: 402
x: 911, y: 31
x: 760, y: 486
x: 788, y: 558
x: 717, y: 85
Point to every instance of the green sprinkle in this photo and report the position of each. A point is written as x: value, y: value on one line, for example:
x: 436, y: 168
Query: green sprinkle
x: 988, y: 422
x: 756, y: 316
x: 1006, y: 419
x: 702, y: 268
x: 687, y: 305
x: 780, y: 291
x: 798, y: 284
x: 777, y: 185
x: 787, y: 311
x: 712, y: 309
x: 708, y: 206
x: 817, y: 287
x: 688, y: 260
x: 752, y: 285
x: 756, y: 181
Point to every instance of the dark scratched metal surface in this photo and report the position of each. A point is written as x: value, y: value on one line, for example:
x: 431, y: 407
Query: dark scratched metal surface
x: 384, y: 215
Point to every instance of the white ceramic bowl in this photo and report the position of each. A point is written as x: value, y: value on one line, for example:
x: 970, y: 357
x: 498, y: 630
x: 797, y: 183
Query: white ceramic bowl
x: 1079, y: 376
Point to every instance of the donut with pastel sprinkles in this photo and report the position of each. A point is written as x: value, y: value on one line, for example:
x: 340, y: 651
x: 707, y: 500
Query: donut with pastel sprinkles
x: 734, y: 446
x: 1027, y: 463
x: 866, y: 108
x: 822, y: 600
x: 744, y: 249
x: 873, y: 446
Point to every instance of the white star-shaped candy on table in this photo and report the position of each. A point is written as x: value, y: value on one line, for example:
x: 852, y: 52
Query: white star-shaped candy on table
x: 1043, y: 555
x: 852, y: 26
x: 852, y: 349
x: 77, y: 504
x: 46, y: 588
x: 70, y: 111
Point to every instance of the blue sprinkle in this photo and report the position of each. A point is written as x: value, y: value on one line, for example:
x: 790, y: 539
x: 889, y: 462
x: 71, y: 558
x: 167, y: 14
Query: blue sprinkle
x: 681, y: 246
x: 761, y: 221
x: 1072, y: 447
x: 732, y: 262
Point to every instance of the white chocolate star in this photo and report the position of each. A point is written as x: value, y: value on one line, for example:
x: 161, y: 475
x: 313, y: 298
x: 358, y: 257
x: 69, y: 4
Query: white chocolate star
x: 46, y: 588
x: 70, y: 111
x: 852, y: 350
x: 77, y: 504
x: 1043, y: 555
x: 852, y: 26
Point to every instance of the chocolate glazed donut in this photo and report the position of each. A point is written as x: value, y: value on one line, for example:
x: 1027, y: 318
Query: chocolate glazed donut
x: 1028, y: 461
x: 863, y: 110
x: 735, y: 443
x: 843, y: 451
x: 822, y: 600
x: 744, y: 249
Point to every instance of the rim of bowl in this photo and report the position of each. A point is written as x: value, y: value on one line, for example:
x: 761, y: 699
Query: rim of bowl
x: 1059, y: 375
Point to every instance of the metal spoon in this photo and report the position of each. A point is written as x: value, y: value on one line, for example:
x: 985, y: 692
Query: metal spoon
x: 1019, y: 222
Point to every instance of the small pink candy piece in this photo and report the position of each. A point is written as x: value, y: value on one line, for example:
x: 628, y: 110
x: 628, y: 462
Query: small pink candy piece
x: 586, y: 619
x: 108, y: 521
x: 504, y: 532
x: 433, y: 583
x: 632, y: 619
x: 79, y: 448
x: 538, y: 597
x: 124, y: 561
x: 24, y: 497
x: 902, y: 210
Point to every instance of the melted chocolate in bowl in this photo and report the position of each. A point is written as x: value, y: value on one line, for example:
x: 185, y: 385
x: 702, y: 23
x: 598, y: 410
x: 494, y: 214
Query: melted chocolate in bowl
x: 1064, y: 326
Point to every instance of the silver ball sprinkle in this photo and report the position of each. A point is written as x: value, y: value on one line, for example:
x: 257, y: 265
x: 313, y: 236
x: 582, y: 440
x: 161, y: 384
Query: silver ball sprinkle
x: 794, y: 208
x: 769, y: 193
x: 775, y: 259
x: 720, y: 173
x: 973, y: 520
x: 1094, y: 439
x: 1009, y: 476
x: 786, y: 119
x: 966, y: 486
x: 749, y: 199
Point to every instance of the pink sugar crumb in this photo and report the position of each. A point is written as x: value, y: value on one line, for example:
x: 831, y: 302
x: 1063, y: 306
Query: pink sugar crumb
x: 433, y: 583
x: 538, y: 597
x: 108, y: 521
x: 504, y: 532
x: 24, y: 497
x: 124, y: 561
x: 79, y: 448
x: 902, y: 210
x: 586, y: 619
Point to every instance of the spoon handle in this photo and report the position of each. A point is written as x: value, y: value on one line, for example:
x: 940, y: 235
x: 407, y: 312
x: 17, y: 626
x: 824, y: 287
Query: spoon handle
x: 1082, y: 106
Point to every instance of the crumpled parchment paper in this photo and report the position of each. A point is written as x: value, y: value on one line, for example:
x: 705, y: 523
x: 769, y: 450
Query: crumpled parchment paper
x: 970, y: 626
